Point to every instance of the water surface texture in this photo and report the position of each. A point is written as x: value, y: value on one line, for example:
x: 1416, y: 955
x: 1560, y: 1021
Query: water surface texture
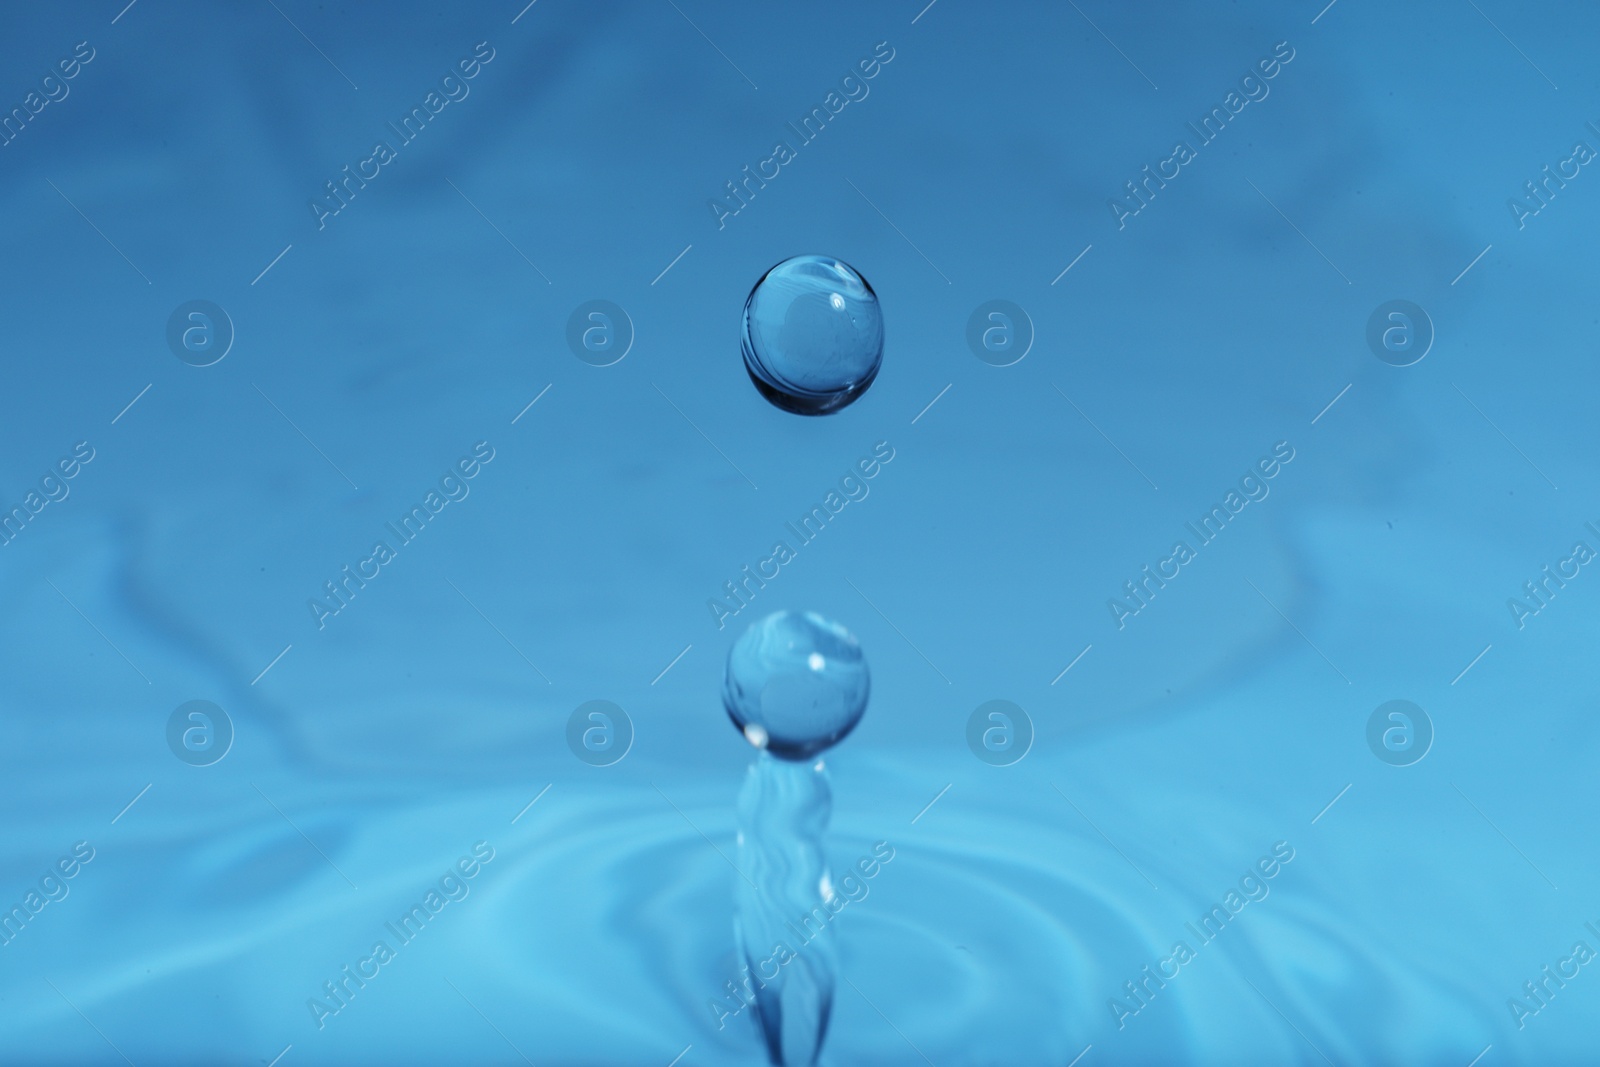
x: 383, y: 489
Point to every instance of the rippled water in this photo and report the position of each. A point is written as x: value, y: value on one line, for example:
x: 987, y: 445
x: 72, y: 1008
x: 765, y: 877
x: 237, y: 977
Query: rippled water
x: 425, y: 325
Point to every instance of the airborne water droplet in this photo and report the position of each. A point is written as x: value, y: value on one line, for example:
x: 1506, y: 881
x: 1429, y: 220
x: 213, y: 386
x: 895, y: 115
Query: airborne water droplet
x: 796, y: 684
x: 813, y: 335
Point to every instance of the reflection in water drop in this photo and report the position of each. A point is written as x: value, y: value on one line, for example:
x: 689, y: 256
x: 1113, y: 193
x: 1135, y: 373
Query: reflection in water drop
x: 796, y: 683
x: 813, y: 335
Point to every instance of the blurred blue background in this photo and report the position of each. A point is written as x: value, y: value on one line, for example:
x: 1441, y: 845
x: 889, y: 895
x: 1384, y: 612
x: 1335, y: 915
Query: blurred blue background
x: 374, y: 348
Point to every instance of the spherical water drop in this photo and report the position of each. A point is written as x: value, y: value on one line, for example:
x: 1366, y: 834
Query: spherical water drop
x: 813, y: 335
x: 796, y: 684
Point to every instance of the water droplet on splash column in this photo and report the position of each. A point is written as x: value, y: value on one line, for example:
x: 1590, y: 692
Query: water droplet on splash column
x: 796, y: 684
x: 813, y: 335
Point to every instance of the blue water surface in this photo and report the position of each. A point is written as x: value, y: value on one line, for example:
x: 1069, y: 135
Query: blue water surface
x: 419, y: 510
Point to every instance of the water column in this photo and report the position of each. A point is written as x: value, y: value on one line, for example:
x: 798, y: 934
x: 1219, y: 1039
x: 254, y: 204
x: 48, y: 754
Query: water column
x: 796, y: 684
